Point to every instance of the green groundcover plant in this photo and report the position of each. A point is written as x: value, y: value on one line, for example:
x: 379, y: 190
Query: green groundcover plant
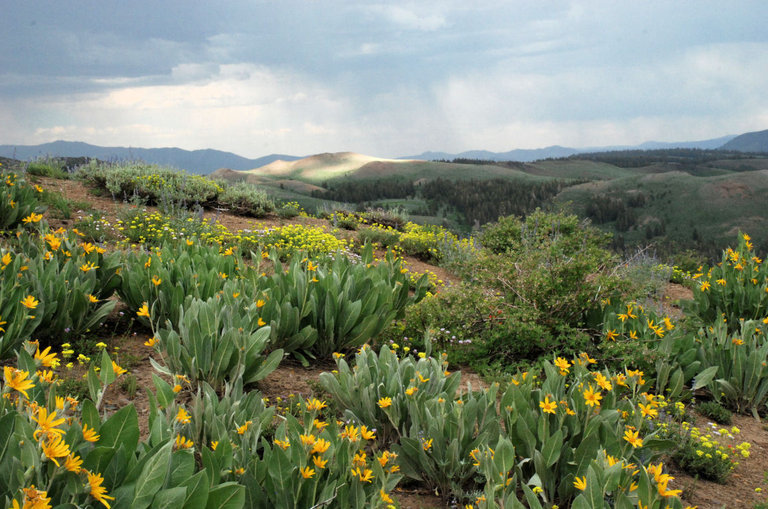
x: 579, y: 432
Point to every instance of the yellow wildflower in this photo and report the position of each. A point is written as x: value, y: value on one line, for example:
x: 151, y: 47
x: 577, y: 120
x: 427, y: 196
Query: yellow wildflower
x: 98, y: 491
x: 30, y: 302
x: 547, y: 406
x: 633, y: 438
x: 90, y: 434
x: 73, y: 463
x: 563, y: 365
x: 17, y: 379
x: 183, y: 417
x: 55, y: 447
x: 592, y: 397
x: 47, y: 423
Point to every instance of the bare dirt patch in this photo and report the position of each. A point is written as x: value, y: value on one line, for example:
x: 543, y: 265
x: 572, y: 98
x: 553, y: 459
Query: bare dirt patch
x: 75, y: 190
x: 731, y: 190
x: 674, y: 294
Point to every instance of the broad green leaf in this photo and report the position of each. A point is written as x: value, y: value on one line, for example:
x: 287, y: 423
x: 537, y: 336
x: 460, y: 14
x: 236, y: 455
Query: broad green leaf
x: 552, y: 447
x: 182, y: 466
x: 107, y: 373
x: 122, y: 428
x: 704, y: 378
x: 197, y: 491
x: 211, y: 465
x: 152, y: 477
x: 90, y: 415
x: 94, y: 385
x: 172, y: 498
x: 228, y: 495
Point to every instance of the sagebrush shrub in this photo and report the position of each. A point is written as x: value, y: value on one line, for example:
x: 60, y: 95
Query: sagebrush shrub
x: 246, y: 199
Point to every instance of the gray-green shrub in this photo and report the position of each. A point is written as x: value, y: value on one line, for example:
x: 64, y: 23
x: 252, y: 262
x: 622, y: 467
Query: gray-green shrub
x: 246, y: 199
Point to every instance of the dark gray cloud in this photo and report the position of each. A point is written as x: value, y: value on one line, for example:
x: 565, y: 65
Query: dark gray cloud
x: 392, y: 77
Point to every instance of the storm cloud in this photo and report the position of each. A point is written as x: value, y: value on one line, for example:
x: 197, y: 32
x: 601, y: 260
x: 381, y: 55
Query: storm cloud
x: 388, y: 79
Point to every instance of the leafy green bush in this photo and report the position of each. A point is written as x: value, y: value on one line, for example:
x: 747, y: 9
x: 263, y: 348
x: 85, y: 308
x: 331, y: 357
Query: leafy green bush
x: 511, y: 233
x: 715, y: 411
x: 555, y: 277
x: 166, y: 278
x: 564, y: 281
x: 151, y: 182
x: 348, y: 302
x: 383, y: 236
x: 311, y: 463
x: 217, y: 343
x: 544, y: 294
x: 436, y: 450
x: 59, y: 451
x: 19, y: 202
x: 476, y: 327
x: 734, y: 289
x: 377, y: 389
x: 246, y: 199
x: 46, y: 167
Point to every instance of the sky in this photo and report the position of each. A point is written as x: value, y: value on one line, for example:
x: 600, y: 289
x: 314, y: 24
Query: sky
x: 387, y: 79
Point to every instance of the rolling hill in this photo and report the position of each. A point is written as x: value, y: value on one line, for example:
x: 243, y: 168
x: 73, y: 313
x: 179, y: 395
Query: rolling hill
x: 749, y: 142
x: 683, y: 197
x: 702, y: 212
x: 321, y: 168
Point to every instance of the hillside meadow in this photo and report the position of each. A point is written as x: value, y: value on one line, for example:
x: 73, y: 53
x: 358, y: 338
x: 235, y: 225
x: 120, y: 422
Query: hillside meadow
x: 674, y: 199
x: 160, y: 351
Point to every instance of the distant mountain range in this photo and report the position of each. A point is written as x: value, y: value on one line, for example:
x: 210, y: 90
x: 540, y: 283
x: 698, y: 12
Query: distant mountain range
x: 209, y: 160
x: 556, y: 151
x: 195, y: 161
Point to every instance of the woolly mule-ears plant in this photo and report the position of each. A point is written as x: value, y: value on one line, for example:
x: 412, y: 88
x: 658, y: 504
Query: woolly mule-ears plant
x: 377, y: 389
x: 217, y: 343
